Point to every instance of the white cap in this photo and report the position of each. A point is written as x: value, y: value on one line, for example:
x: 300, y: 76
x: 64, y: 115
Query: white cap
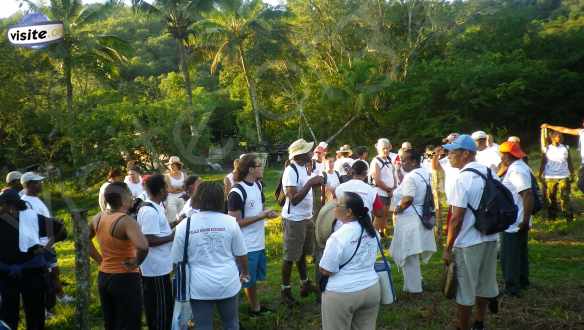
x: 322, y: 145
x: 30, y: 176
x: 479, y: 135
x: 13, y: 176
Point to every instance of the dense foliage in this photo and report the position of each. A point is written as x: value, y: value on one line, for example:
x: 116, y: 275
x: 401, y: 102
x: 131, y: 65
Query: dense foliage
x: 347, y: 71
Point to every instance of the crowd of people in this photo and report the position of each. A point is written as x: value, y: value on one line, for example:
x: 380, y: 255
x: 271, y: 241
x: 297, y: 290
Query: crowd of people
x: 337, y: 208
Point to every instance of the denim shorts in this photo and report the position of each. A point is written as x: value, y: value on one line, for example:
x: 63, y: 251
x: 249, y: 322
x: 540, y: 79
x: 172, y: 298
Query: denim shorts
x: 257, y: 264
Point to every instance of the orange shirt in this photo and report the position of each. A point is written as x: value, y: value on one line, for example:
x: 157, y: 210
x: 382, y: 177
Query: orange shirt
x: 114, y: 251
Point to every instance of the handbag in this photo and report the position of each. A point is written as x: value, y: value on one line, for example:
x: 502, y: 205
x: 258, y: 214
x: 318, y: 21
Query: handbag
x: 383, y: 270
x: 449, y: 282
x: 323, y: 281
x: 182, y: 272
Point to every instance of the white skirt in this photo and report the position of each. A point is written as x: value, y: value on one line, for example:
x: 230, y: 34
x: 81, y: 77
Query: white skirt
x: 411, y: 238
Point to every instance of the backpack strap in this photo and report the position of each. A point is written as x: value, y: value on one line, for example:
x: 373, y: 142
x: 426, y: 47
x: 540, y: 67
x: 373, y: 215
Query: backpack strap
x: 297, y: 181
x: 477, y: 172
x: 243, y: 196
x: 187, y: 234
x: 338, y: 175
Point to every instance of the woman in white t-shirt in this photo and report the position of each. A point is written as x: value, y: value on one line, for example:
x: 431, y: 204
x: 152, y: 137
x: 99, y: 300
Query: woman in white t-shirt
x: 384, y: 180
x: 175, y: 180
x: 556, y: 170
x: 216, y: 253
x: 411, y: 240
x: 134, y: 182
x: 352, y: 295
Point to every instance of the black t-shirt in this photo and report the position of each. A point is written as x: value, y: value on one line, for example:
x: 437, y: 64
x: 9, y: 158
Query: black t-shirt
x: 235, y: 201
x: 10, y: 253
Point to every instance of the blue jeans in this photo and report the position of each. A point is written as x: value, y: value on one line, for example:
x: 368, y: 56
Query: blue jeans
x: 228, y: 311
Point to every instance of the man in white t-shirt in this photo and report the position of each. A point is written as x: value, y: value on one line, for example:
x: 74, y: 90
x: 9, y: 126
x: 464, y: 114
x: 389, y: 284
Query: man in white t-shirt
x: 297, y: 218
x: 358, y: 185
x: 576, y: 132
x: 319, y: 158
x: 156, y: 268
x: 383, y: 178
x: 486, y: 156
x: 475, y: 254
x: 344, y: 162
x: 514, y: 261
x: 246, y: 204
x: 332, y: 179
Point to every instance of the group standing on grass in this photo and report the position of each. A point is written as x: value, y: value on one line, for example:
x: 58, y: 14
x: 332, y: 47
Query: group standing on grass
x: 337, y: 209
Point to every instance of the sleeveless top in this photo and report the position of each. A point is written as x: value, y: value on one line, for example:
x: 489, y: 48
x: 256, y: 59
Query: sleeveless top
x: 114, y: 251
x: 176, y: 183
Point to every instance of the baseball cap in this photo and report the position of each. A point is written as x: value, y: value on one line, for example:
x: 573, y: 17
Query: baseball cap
x: 513, y: 148
x: 479, y: 135
x: 13, y: 176
x: 464, y: 142
x: 11, y: 197
x: 30, y: 176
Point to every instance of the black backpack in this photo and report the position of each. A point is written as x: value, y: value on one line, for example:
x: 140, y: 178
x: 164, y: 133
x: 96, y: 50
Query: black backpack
x: 244, y: 195
x: 428, y: 216
x: 497, y: 210
x: 138, y: 204
x: 537, y: 196
x: 280, y: 193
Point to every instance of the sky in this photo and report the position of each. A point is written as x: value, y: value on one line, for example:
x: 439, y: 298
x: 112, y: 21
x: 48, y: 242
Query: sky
x: 9, y: 7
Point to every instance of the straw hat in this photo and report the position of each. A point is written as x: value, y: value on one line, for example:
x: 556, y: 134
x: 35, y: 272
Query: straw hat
x: 324, y: 223
x: 174, y: 160
x: 299, y: 147
x: 345, y: 149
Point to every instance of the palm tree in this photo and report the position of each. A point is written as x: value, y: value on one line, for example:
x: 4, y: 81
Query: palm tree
x: 237, y: 27
x: 179, y: 16
x: 81, y: 47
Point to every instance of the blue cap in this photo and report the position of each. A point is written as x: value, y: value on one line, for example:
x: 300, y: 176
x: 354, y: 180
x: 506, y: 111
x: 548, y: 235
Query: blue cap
x: 464, y: 142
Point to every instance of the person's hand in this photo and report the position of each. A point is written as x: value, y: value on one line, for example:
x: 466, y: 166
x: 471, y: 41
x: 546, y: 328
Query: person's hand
x: 438, y: 151
x: 130, y: 264
x: 244, y: 277
x: 447, y: 256
x: 316, y: 180
x: 269, y: 214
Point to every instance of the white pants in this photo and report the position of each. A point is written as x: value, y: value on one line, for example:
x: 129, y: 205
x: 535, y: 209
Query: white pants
x: 173, y: 206
x: 412, y: 274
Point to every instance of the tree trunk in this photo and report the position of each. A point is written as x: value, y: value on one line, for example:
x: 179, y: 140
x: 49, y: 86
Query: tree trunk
x: 184, y: 67
x: 82, y: 274
x: 69, y: 84
x: 349, y: 122
x: 252, y: 94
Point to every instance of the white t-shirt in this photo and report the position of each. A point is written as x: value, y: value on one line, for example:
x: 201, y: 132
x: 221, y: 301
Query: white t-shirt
x: 254, y: 235
x: 468, y: 189
x: 367, y: 193
x: 556, y: 166
x: 136, y: 188
x: 152, y: 221
x: 386, y: 173
x: 359, y: 273
x: 36, y: 204
x: 489, y: 158
x: 214, y: 241
x: 319, y: 167
x: 302, y: 210
x: 103, y: 205
x: 582, y: 146
x: 414, y: 186
x: 517, y: 179
x: 332, y: 180
x: 450, y: 175
x: 342, y: 163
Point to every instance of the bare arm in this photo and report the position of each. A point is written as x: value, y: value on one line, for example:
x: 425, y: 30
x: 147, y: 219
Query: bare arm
x: 296, y: 196
x: 157, y: 241
x: 324, y: 271
x: 134, y: 234
x: 455, y: 226
x: 563, y: 130
x: 405, y: 202
x: 248, y: 220
x: 93, y: 253
x: 242, y: 263
x: 542, y: 166
x: 527, y: 197
x: 436, y: 166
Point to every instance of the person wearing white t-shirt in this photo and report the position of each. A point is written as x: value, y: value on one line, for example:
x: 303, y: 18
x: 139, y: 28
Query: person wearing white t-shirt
x: 486, y: 156
x: 332, y: 179
x: 114, y: 175
x: 556, y: 171
x: 191, y: 185
x: 358, y: 185
x: 344, y: 162
x: 576, y: 132
x: 228, y: 180
x: 319, y: 158
x: 134, y: 182
x: 384, y: 180
x: 475, y: 254
x: 156, y: 268
x: 216, y: 256
x: 297, y: 219
x: 246, y: 204
x: 411, y: 242
x: 514, y: 255
x: 352, y: 293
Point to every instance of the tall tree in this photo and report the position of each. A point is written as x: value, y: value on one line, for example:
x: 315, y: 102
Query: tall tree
x: 237, y: 27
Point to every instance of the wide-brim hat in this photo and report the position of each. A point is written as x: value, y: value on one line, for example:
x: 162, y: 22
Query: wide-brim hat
x: 174, y: 160
x: 345, y: 149
x: 324, y: 222
x: 299, y: 147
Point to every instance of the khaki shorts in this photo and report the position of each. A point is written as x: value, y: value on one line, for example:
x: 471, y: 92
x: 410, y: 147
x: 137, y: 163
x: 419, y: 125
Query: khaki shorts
x: 298, y: 239
x: 476, y: 272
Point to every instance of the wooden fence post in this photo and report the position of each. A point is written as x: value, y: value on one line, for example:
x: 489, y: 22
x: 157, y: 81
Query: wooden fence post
x: 82, y: 275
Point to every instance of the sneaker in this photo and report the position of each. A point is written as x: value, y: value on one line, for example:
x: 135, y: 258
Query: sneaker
x: 478, y: 326
x: 308, y: 288
x: 65, y: 299
x: 262, y: 312
x: 287, y: 299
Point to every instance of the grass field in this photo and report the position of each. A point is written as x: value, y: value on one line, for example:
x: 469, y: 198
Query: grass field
x: 554, y: 301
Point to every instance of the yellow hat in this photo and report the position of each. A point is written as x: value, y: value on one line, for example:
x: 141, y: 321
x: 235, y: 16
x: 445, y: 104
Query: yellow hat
x: 299, y: 147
